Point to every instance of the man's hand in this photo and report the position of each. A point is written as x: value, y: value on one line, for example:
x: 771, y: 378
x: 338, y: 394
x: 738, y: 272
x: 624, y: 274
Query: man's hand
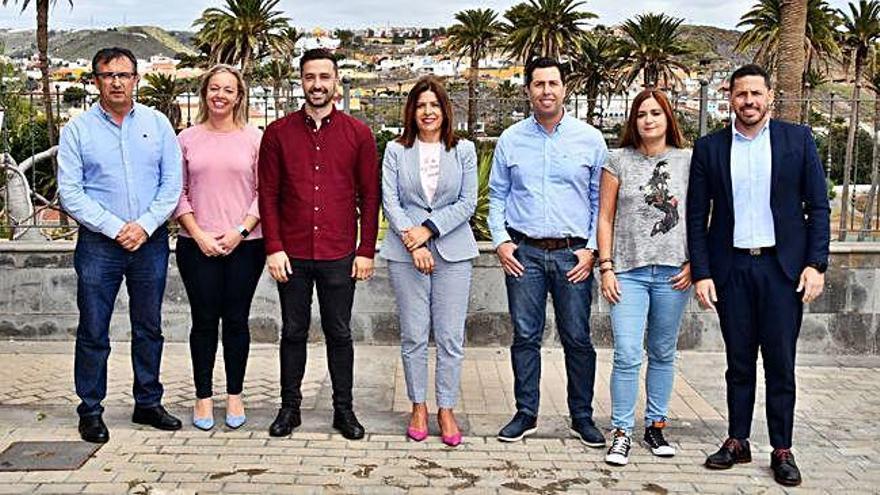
x: 131, y: 236
x: 706, y: 294
x: 583, y: 268
x: 416, y: 237
x: 423, y: 260
x: 229, y: 240
x: 362, y: 268
x: 509, y: 263
x: 279, y: 266
x: 812, y: 283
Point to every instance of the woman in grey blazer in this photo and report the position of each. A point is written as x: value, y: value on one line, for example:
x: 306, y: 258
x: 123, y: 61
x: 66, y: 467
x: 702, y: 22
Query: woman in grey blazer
x: 429, y: 192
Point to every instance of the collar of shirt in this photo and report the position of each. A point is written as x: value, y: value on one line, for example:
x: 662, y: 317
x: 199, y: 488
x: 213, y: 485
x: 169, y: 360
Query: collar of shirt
x: 310, y: 122
x: 108, y: 116
x: 540, y: 127
x: 738, y: 135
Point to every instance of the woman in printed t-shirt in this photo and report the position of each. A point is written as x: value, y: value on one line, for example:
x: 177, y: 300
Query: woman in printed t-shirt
x: 643, y: 265
x: 220, y: 250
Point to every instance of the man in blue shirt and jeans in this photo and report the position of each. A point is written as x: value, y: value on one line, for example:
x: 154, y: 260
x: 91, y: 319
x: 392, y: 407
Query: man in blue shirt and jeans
x: 543, y: 206
x: 119, y: 176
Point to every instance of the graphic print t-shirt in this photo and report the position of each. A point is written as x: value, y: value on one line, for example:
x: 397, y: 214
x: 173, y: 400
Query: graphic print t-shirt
x: 649, y: 226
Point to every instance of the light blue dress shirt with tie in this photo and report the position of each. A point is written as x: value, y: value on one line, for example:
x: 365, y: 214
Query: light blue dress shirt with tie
x: 546, y: 185
x: 110, y: 174
x: 751, y: 178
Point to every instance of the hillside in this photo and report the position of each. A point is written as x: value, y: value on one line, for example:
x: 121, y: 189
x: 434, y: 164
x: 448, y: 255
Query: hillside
x: 144, y: 41
x: 713, y: 45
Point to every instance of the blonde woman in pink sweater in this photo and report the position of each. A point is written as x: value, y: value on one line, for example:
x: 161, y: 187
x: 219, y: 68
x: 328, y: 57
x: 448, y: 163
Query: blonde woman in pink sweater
x: 220, y: 251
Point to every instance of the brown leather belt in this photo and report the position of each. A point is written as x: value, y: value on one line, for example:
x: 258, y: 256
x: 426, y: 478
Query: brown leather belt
x: 547, y: 244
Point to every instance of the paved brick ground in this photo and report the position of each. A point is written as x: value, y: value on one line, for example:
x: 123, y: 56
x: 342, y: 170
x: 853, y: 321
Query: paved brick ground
x: 836, y: 437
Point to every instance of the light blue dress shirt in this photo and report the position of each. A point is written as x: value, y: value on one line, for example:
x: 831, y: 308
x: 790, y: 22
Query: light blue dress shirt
x: 750, y: 173
x: 110, y: 174
x: 546, y: 185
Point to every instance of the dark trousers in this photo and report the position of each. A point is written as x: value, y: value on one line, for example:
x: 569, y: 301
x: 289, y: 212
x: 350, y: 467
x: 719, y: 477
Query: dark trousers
x: 101, y: 265
x: 335, y: 296
x: 220, y: 288
x: 527, y: 301
x: 759, y: 309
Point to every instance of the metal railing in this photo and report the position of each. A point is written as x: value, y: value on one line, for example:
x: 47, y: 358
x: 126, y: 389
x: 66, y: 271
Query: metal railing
x: 23, y: 135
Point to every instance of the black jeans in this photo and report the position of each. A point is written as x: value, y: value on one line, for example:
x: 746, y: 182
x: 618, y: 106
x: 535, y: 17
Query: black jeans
x: 220, y: 288
x: 335, y: 297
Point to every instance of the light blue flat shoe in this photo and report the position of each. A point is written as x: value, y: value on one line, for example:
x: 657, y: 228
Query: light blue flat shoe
x: 204, y: 424
x: 235, y: 422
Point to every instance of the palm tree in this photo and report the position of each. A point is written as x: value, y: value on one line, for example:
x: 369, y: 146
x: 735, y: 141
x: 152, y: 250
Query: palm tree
x: 544, y: 28
x: 813, y: 79
x: 861, y: 31
x: 473, y: 36
x: 277, y: 73
x: 874, y: 86
x: 809, y: 26
x: 764, y: 23
x: 652, y: 46
x: 43, y: 54
x: 162, y: 94
x: 242, y: 32
x: 595, y: 68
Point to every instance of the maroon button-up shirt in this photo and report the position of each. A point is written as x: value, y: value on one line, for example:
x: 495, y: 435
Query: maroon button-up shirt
x: 315, y: 184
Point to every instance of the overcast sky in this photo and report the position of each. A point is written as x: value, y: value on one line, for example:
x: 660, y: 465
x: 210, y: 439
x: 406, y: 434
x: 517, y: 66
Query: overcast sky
x: 179, y: 14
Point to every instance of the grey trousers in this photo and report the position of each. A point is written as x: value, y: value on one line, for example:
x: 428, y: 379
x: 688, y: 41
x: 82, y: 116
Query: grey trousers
x: 437, y: 301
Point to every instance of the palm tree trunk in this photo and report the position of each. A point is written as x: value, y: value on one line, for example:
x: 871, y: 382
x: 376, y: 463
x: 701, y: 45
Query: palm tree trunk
x: 850, y: 146
x: 875, y: 173
x: 790, y: 71
x: 43, y: 51
x: 473, y: 79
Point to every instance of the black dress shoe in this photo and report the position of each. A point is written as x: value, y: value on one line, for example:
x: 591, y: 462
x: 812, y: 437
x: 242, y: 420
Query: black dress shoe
x: 585, y: 431
x: 732, y: 452
x: 92, y: 429
x: 286, y: 420
x: 347, y: 423
x: 522, y: 425
x: 157, y: 417
x: 785, y: 471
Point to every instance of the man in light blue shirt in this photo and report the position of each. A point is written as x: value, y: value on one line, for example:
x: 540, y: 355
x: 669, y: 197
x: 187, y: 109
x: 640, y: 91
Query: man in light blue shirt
x: 543, y: 206
x: 119, y: 176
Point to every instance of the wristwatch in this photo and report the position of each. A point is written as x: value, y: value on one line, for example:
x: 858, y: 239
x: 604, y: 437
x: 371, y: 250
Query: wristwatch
x: 243, y: 231
x: 820, y: 267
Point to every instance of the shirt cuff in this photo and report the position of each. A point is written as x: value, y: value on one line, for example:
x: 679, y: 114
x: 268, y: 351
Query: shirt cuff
x: 591, y: 243
x: 365, y: 252
x: 111, y: 227
x: 148, y: 223
x: 500, y: 239
x: 273, y: 247
x: 432, y: 227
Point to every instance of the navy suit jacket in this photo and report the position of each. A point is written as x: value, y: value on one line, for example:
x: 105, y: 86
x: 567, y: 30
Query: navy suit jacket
x: 798, y: 200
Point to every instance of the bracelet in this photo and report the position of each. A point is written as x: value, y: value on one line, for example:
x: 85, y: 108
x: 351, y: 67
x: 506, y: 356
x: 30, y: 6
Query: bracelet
x: 606, y: 269
x: 606, y: 260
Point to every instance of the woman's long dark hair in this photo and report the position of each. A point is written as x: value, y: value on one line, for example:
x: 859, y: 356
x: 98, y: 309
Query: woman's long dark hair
x: 411, y: 127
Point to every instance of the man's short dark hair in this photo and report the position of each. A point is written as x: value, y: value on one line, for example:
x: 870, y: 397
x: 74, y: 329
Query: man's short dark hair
x: 543, y: 63
x: 105, y: 55
x: 749, y: 70
x: 317, y: 54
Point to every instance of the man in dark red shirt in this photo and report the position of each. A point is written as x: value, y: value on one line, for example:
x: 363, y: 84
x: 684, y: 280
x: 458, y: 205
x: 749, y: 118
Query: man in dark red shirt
x: 319, y: 182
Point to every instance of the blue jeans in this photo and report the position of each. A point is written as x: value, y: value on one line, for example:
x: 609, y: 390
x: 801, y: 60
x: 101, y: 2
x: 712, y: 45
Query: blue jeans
x: 647, y: 301
x: 101, y: 264
x: 527, y: 301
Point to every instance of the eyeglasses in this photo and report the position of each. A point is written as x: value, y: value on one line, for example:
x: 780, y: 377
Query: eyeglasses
x: 123, y: 76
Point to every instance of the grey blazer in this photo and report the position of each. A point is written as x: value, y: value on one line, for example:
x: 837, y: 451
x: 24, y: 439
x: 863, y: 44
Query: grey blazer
x: 406, y: 206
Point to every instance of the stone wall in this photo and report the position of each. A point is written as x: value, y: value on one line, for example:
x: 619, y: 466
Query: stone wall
x: 38, y: 301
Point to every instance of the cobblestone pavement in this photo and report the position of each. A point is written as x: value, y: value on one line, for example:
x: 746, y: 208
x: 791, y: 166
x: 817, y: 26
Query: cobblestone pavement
x: 836, y: 439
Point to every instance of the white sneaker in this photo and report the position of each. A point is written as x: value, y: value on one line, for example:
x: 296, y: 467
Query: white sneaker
x: 654, y: 440
x: 618, y: 453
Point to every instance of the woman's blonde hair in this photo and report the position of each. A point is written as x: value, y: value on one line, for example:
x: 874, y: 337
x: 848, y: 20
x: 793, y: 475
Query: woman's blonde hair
x: 240, y: 110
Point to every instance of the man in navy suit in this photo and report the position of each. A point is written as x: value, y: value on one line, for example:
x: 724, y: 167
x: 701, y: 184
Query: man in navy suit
x: 758, y: 234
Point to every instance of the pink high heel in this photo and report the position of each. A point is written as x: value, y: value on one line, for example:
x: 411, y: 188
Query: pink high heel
x: 453, y: 440
x: 416, y: 434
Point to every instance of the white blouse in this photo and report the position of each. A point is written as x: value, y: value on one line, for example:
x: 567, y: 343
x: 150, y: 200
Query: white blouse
x: 429, y: 167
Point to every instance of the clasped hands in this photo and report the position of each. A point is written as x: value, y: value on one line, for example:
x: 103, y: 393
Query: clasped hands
x: 132, y: 236
x: 218, y: 244
x: 414, y: 240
